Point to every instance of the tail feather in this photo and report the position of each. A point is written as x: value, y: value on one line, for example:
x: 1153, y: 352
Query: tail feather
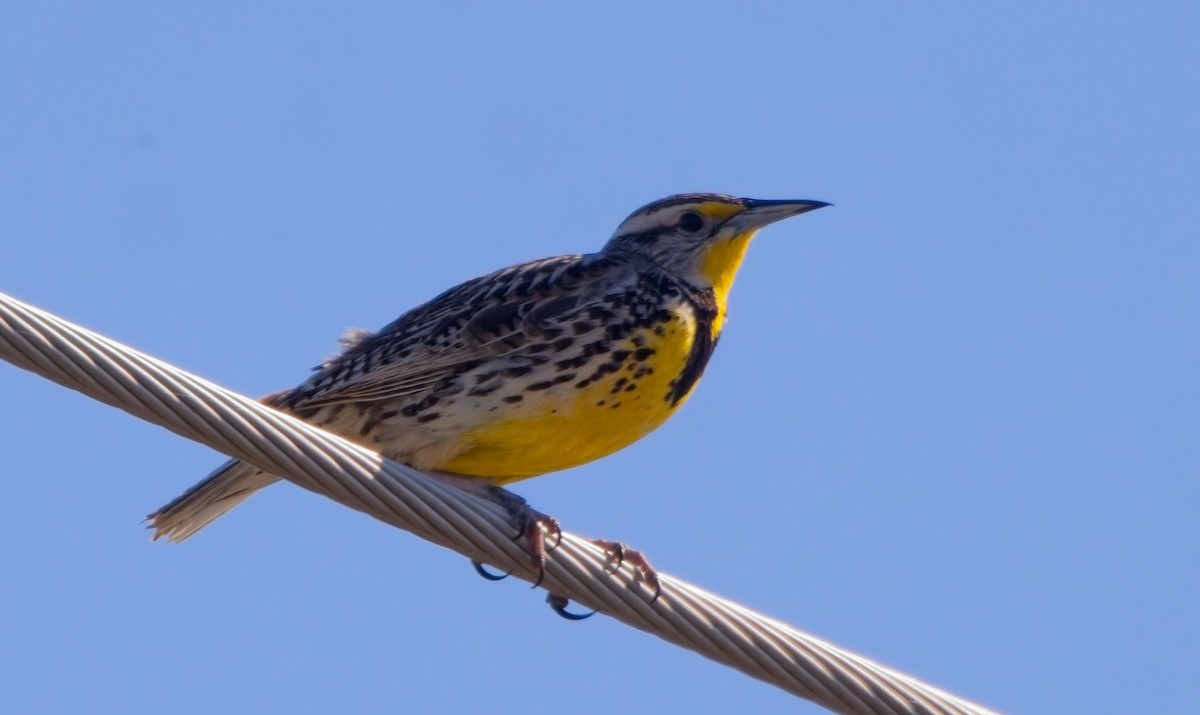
x: 230, y: 485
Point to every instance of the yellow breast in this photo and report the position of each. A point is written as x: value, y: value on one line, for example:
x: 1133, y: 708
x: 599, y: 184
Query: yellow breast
x: 573, y: 423
x: 564, y: 425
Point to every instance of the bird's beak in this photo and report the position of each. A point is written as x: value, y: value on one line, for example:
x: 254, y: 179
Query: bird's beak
x: 760, y: 212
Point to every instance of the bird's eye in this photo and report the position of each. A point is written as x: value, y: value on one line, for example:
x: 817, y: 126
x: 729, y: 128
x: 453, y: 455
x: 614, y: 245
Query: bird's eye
x: 691, y: 222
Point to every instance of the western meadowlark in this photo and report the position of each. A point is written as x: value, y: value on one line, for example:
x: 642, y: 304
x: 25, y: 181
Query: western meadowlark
x: 532, y: 369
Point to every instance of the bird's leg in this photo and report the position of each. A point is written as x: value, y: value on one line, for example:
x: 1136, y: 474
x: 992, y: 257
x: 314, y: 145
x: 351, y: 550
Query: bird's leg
x: 619, y: 554
x: 534, y: 527
x: 531, y: 524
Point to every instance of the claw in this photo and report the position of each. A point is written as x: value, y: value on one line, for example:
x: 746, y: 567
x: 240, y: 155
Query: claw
x: 531, y: 525
x: 559, y: 605
x: 534, y: 530
x: 482, y: 571
x: 619, y: 554
x: 615, y: 551
x: 554, y: 528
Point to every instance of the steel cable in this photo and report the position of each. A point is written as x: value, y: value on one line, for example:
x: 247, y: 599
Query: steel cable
x: 358, y: 478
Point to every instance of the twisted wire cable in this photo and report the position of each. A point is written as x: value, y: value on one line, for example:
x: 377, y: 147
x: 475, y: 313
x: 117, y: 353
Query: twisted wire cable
x: 360, y: 479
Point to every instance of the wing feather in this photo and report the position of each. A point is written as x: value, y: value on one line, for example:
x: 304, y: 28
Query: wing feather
x: 503, y: 316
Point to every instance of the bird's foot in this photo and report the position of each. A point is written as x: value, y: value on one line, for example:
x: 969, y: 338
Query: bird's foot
x: 532, y: 525
x: 538, y: 528
x: 619, y: 554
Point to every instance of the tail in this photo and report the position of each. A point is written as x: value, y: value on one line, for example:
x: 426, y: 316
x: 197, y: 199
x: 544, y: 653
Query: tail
x: 230, y: 485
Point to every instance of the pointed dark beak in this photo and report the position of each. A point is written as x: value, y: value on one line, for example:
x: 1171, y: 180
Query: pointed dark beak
x: 760, y: 212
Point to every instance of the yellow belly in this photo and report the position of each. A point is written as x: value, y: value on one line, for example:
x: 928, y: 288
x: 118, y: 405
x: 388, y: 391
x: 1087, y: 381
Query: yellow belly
x: 568, y: 425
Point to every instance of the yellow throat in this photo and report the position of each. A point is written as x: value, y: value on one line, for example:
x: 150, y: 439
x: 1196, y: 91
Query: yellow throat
x: 719, y: 266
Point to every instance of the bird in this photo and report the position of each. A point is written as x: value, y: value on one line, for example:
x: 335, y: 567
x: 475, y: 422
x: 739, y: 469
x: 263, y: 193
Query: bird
x: 531, y: 369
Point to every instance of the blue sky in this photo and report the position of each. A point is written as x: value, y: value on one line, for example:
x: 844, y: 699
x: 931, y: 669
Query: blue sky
x: 952, y: 424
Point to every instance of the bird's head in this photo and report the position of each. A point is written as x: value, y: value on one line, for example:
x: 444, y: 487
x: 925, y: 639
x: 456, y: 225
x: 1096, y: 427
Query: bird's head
x: 700, y: 238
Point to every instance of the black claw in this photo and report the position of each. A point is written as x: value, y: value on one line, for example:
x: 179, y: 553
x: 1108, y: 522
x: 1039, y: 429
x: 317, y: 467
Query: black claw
x: 482, y: 571
x: 559, y: 605
x: 573, y: 616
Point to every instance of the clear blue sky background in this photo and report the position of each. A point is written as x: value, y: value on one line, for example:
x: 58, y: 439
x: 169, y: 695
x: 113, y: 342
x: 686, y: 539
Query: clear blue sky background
x: 954, y: 423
